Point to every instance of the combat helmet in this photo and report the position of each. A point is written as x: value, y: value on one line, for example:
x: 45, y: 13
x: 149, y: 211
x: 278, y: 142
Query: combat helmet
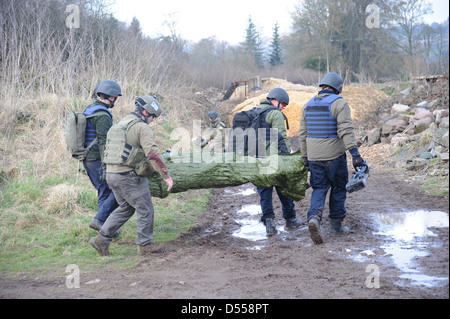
x: 150, y: 104
x: 279, y: 94
x: 108, y: 87
x: 333, y: 80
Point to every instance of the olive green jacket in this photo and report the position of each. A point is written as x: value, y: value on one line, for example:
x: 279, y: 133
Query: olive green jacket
x: 276, y: 120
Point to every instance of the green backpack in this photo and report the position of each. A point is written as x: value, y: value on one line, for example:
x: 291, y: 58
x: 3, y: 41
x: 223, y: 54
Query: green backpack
x: 118, y: 152
x: 76, y: 133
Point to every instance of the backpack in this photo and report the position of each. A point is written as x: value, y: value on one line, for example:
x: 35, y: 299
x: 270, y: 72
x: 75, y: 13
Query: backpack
x: 117, y: 151
x: 245, y: 136
x: 76, y: 134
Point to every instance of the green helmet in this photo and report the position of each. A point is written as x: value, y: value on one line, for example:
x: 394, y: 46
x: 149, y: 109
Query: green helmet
x: 108, y: 87
x: 279, y: 94
x: 150, y: 104
x: 333, y: 80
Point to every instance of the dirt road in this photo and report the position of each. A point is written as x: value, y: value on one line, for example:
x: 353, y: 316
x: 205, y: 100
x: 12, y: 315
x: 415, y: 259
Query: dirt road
x: 398, y: 248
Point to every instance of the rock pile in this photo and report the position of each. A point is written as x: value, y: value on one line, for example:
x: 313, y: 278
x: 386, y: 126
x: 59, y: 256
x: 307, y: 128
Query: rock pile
x: 418, y: 130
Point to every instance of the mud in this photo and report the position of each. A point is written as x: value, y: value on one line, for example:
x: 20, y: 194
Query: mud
x: 218, y: 259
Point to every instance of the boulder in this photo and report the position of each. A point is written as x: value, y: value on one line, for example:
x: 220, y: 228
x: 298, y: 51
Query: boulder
x: 423, y: 104
x: 444, y: 140
x: 444, y: 122
x: 400, y: 108
x: 422, y: 125
x: 373, y: 136
x: 422, y: 113
x: 386, y: 129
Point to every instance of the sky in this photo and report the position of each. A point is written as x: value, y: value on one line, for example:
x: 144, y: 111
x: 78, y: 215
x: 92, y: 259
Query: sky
x: 227, y: 20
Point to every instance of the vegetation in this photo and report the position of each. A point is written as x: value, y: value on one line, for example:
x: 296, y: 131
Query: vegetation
x: 48, y: 68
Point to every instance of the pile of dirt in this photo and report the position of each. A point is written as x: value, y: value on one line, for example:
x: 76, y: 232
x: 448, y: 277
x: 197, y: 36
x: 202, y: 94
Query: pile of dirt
x: 362, y: 100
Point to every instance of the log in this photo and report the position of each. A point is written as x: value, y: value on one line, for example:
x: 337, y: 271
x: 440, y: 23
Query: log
x: 205, y: 171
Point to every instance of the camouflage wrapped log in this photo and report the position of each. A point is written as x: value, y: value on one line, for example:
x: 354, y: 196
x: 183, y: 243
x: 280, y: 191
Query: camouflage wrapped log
x: 203, y: 171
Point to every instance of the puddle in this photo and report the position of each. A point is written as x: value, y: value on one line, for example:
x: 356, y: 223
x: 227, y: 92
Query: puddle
x: 409, y: 232
x: 253, y: 230
x: 241, y: 192
x: 250, y: 226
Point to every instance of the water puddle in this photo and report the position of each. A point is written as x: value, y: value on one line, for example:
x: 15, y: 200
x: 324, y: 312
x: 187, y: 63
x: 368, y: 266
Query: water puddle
x: 250, y: 226
x: 409, y: 241
x: 241, y: 191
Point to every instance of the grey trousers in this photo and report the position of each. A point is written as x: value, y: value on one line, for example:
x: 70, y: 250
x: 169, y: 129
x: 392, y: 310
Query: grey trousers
x: 132, y: 194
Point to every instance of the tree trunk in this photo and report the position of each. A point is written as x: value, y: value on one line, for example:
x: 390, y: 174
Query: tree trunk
x: 191, y: 171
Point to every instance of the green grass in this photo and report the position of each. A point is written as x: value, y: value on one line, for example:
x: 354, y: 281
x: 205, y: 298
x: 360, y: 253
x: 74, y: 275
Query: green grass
x: 438, y: 186
x: 44, y: 225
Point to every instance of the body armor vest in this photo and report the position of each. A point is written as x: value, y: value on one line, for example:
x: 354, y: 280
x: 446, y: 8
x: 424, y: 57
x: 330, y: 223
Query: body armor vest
x: 117, y: 150
x: 91, y: 132
x: 319, y: 121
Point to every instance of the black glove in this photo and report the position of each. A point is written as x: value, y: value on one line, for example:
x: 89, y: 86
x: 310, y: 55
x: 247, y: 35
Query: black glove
x: 305, y: 162
x: 357, y: 161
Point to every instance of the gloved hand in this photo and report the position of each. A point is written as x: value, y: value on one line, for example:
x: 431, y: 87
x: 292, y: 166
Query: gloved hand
x: 305, y: 162
x: 204, y: 143
x: 169, y: 183
x: 357, y: 161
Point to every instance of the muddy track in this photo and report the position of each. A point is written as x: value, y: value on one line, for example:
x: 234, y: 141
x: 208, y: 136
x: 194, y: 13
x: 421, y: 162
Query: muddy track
x: 213, y: 261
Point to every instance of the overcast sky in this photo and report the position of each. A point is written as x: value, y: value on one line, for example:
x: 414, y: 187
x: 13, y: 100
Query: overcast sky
x: 227, y: 20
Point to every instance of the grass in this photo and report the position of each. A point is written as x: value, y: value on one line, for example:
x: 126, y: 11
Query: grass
x: 44, y: 225
x: 438, y: 186
x: 45, y: 208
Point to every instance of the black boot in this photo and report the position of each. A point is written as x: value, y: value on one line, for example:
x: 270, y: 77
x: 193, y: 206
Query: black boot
x: 337, y: 227
x: 270, y: 227
x: 293, y: 223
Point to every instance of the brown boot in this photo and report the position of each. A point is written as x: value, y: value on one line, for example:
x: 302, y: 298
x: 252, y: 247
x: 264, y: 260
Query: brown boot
x: 100, y: 246
x: 149, y: 249
x: 314, y: 231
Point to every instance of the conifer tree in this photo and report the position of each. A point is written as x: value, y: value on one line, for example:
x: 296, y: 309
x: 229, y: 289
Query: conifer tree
x: 253, y: 44
x: 275, y: 55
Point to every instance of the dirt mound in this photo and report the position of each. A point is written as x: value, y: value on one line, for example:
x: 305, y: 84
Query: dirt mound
x: 362, y: 100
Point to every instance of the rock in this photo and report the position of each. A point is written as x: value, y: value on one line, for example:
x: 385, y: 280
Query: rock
x: 417, y: 163
x: 422, y: 113
x: 396, y: 122
x: 444, y: 122
x: 433, y: 104
x: 400, y: 140
x: 399, y: 108
x: 423, y: 104
x: 442, y: 113
x: 386, y: 129
x: 444, y: 140
x: 373, y: 136
x: 445, y: 156
x: 385, y: 140
x: 421, y: 125
x: 405, y: 92
x: 426, y: 155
